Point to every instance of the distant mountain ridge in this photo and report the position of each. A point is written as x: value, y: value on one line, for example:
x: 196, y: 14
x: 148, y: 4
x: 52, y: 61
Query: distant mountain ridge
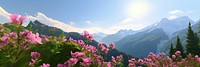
x: 99, y: 36
x: 117, y: 36
x: 140, y: 44
x: 171, y: 26
x: 163, y: 29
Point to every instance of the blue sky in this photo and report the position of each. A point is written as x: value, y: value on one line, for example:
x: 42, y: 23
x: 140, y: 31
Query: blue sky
x: 106, y: 16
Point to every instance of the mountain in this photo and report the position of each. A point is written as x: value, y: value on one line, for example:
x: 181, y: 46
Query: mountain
x: 151, y: 38
x: 117, y: 36
x: 171, y: 26
x: 99, y: 36
x: 182, y: 34
x: 141, y: 43
x: 44, y: 29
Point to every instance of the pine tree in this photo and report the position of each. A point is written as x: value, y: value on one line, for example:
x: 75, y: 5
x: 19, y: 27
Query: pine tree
x: 196, y: 38
x: 197, y: 42
x: 171, y: 51
x: 192, y: 42
x: 179, y: 47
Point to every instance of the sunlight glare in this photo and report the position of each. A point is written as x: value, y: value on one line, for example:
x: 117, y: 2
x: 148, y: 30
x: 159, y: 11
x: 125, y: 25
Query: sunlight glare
x: 137, y: 9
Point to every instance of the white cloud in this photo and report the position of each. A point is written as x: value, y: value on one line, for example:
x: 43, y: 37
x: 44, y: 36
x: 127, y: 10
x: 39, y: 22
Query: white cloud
x: 55, y: 23
x: 4, y: 15
x: 175, y: 12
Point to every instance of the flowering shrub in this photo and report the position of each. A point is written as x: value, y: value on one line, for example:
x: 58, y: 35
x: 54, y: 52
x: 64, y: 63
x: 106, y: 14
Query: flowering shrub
x: 23, y: 48
x: 161, y: 60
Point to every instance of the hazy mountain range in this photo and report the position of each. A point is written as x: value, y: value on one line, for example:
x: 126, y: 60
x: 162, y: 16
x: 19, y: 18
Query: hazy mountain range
x: 99, y: 36
x: 154, y: 38
x: 117, y: 36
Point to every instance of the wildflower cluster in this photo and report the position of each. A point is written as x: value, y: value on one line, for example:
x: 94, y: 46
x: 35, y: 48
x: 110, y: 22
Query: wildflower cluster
x: 161, y: 60
x: 91, y: 56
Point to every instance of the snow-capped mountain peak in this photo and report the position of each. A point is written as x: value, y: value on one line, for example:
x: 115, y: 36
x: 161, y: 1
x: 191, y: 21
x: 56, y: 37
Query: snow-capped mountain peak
x: 171, y: 26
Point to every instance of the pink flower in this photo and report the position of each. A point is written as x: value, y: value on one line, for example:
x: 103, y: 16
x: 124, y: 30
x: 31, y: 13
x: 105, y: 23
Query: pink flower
x: 22, y: 18
x: 86, y: 61
x: 107, y: 45
x: 173, y: 56
x: 35, y: 55
x: 72, y: 61
x: 13, y: 34
x: 163, y: 54
x: 24, y: 33
x: 14, y: 19
x: 168, y: 58
x: 98, y: 61
x: 61, y: 65
x: 113, y: 57
x: 32, y: 62
x: 151, y: 55
x: 86, y: 34
x: 199, y: 59
x: 109, y: 64
x: 78, y: 54
x: 174, y: 66
x: 131, y: 65
x: 119, y: 58
x: 63, y: 39
x: 103, y: 48
x: 70, y: 39
x: 46, y: 39
x: 91, y: 37
x: 91, y: 49
x: 45, y: 65
x: 147, y: 60
x: 81, y: 42
x: 112, y: 45
x: 196, y: 56
x: 5, y: 37
x: 8, y: 38
x: 140, y: 61
x: 132, y: 60
x: 106, y: 50
x: 177, y: 53
x: 100, y: 44
x: 113, y: 60
x: 33, y: 38
x: 75, y: 41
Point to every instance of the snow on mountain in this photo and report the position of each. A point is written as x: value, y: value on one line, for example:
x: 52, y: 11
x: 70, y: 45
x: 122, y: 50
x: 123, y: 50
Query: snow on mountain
x: 171, y: 26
